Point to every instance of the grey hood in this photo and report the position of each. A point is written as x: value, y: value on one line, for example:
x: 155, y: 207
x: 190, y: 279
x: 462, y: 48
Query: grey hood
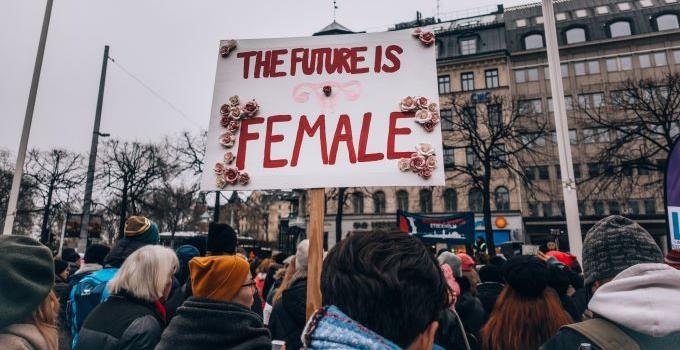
x: 643, y: 298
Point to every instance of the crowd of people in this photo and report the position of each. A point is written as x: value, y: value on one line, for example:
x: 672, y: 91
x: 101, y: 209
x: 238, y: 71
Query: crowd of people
x: 380, y: 290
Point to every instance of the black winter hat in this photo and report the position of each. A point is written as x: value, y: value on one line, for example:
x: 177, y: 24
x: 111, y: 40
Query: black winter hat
x: 614, y: 244
x: 70, y: 255
x: 96, y: 253
x: 26, y: 277
x: 527, y: 275
x: 59, y: 266
x: 221, y: 239
x: 491, y: 273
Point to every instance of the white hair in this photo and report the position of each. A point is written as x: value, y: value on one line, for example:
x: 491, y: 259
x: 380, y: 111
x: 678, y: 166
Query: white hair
x: 145, y: 273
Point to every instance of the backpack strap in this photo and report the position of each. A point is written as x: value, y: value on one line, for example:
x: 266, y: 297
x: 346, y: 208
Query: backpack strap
x: 606, y: 335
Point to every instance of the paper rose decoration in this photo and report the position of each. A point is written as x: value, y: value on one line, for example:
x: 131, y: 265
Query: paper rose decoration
x: 250, y: 109
x: 227, y: 139
x: 426, y: 112
x: 422, y: 162
x: 226, y: 49
x: 408, y: 104
x: 426, y: 37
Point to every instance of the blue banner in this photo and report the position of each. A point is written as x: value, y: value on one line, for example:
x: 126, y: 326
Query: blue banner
x: 456, y: 228
x: 673, y: 195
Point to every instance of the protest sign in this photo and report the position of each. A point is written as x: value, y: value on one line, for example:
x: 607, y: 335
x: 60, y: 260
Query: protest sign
x: 452, y: 229
x: 343, y: 110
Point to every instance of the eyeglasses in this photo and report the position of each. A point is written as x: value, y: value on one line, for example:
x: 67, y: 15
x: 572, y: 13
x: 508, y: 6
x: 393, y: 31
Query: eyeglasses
x: 250, y: 284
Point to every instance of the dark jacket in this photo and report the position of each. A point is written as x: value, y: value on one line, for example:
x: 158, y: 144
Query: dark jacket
x: 121, y: 251
x: 177, y: 298
x: 488, y: 293
x: 209, y: 324
x: 450, y: 335
x: 471, y: 312
x: 580, y: 300
x: 289, y: 314
x: 568, y: 339
x: 121, y: 323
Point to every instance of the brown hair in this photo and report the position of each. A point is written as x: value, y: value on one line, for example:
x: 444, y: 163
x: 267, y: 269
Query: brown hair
x: 520, y: 323
x: 290, y: 271
x: 264, y: 266
x: 45, y: 319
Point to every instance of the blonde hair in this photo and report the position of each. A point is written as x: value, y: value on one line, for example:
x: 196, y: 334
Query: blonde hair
x: 145, y: 273
x: 44, y: 318
x: 287, y: 277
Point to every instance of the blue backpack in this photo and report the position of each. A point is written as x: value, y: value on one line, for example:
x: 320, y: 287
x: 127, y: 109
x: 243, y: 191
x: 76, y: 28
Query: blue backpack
x: 85, y: 296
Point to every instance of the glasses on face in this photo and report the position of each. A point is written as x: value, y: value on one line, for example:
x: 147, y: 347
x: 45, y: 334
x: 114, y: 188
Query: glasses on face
x: 250, y: 284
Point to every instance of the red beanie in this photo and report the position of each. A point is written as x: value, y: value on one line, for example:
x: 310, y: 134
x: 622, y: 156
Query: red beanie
x: 673, y: 258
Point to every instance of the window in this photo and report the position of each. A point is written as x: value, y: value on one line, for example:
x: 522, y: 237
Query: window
x: 624, y: 6
x: 547, y: 209
x: 667, y: 22
x: 593, y: 169
x: 595, y: 135
x: 467, y: 81
x: 579, y: 68
x: 447, y: 119
x: 470, y: 117
x: 625, y: 63
x: 633, y: 207
x: 595, y: 100
x: 676, y: 56
x: 614, y: 208
x: 528, y: 106
x: 520, y: 76
x: 475, y: 201
x: 444, y: 84
x: 593, y: 67
x: 402, y: 200
x: 565, y: 70
x: 558, y: 172
x: 533, y: 209
x: 643, y: 167
x: 671, y: 1
x: 650, y: 206
x: 660, y: 59
x: 539, y: 20
x: 495, y: 115
x: 598, y: 99
x: 502, y: 198
x: 471, y: 158
x: 646, y: 3
x: 449, y: 158
x: 577, y: 171
x: 581, y: 13
x: 533, y: 41
x: 450, y: 200
x: 573, y: 139
x: 468, y: 46
x: 598, y: 208
x: 645, y: 61
x: 521, y: 23
x: 619, y: 29
x: 543, y: 173
x: 358, y: 202
x: 602, y: 10
x: 491, y: 78
x: 561, y: 16
x: 379, y: 202
x: 575, y: 35
x: 425, y: 201
x: 532, y: 74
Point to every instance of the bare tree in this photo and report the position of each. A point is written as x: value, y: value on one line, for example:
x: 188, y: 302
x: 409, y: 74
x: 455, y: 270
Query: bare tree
x: 643, y: 116
x: 23, y: 220
x: 130, y: 170
x: 189, y: 151
x: 498, y: 138
x: 171, y: 206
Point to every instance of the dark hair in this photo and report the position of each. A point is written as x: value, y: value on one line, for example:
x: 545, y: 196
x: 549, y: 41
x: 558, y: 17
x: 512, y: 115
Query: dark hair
x: 59, y: 266
x: 221, y: 239
x: 527, y: 275
x: 95, y: 254
x: 388, y: 282
x: 491, y: 273
x: 70, y: 255
x: 497, y: 261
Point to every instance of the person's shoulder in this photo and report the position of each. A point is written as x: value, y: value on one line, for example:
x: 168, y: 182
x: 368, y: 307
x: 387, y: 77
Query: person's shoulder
x: 22, y: 337
x: 566, y: 339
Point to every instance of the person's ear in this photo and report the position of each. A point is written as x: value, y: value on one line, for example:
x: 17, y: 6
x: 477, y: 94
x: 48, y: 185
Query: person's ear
x: 425, y: 340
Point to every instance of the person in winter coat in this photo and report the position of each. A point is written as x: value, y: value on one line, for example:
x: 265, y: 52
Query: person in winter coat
x: 28, y: 306
x: 72, y: 257
x: 469, y: 307
x: 490, y: 288
x: 133, y: 316
x: 558, y: 279
x: 184, y: 254
x: 218, y: 315
x: 633, y: 291
x: 93, y: 261
x: 528, y: 312
x: 381, y: 291
x: 288, y: 316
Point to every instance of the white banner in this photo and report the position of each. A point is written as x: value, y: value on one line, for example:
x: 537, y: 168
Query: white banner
x: 330, y: 111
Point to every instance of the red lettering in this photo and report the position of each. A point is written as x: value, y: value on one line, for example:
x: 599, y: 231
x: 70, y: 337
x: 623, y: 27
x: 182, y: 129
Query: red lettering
x: 363, y: 140
x: 345, y: 59
x: 389, y: 54
x: 343, y: 133
x: 277, y: 62
x: 356, y: 59
x: 393, y: 131
x: 246, y: 61
x: 304, y: 127
x: 270, y: 138
x: 262, y: 65
x: 295, y: 59
x: 244, y: 137
x: 378, y: 59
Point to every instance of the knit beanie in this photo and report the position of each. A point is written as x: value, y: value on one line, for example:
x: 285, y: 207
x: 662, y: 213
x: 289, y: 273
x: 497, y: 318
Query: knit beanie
x: 452, y: 261
x: 468, y: 262
x: 301, y: 255
x: 614, y: 244
x: 218, y: 277
x: 70, y: 255
x: 221, y: 239
x: 491, y: 273
x: 96, y: 253
x: 59, y: 266
x: 139, y: 228
x: 26, y: 277
x: 672, y: 259
x: 527, y: 275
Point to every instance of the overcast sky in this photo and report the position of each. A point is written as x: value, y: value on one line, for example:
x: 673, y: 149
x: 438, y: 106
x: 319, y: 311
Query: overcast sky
x: 169, y: 45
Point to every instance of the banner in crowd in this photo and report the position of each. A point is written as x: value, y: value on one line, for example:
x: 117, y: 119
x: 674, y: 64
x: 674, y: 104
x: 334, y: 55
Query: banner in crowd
x: 673, y: 195
x: 94, y: 228
x: 325, y: 111
x: 456, y: 228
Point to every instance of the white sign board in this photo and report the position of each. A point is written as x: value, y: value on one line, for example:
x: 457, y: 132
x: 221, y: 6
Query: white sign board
x: 528, y: 249
x: 330, y: 111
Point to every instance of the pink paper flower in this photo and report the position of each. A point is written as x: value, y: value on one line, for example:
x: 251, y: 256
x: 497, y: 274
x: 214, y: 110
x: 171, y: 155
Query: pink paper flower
x: 417, y: 163
x: 433, y: 108
x: 408, y: 104
x: 219, y: 181
x: 405, y: 164
x: 251, y: 108
x: 227, y: 139
x: 225, y: 50
x: 224, y: 109
x: 233, y: 126
x: 235, y: 112
x: 327, y: 90
x: 233, y: 101
x: 423, y: 116
x: 425, y: 173
x: 435, y: 118
x: 224, y: 121
x: 231, y: 175
x: 425, y: 149
x: 219, y: 168
x: 426, y: 38
x: 422, y: 102
x: 416, y: 32
x: 243, y: 178
x: 428, y: 126
x: 431, y: 162
x: 229, y: 158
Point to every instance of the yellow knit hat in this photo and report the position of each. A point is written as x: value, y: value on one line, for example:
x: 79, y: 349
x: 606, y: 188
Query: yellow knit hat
x: 218, y: 277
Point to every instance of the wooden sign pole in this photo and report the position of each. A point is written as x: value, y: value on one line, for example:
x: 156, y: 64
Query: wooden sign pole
x: 315, y: 259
